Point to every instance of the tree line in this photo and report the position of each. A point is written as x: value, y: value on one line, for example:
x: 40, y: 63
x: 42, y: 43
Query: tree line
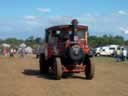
x: 30, y: 41
x: 94, y: 41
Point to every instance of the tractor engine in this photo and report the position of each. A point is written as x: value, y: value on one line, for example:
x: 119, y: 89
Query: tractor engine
x: 74, y: 54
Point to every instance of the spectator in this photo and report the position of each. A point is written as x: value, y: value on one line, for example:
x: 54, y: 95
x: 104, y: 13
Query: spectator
x: 11, y: 52
x: 22, y: 52
x: 5, y: 51
x: 118, y: 54
x: 124, y: 54
x: 121, y: 56
x: 114, y: 53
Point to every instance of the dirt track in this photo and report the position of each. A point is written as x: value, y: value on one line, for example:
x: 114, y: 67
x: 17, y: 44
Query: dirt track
x: 20, y: 77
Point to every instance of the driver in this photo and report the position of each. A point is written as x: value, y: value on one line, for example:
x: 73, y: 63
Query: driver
x: 64, y: 36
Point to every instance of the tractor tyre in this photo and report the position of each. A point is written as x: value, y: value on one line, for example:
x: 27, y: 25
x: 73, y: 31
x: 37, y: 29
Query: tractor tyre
x: 43, y: 64
x: 89, y: 69
x: 58, y: 68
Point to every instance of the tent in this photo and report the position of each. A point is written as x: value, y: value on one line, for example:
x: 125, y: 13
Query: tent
x: 23, y: 45
x: 6, y: 45
x: 28, y: 50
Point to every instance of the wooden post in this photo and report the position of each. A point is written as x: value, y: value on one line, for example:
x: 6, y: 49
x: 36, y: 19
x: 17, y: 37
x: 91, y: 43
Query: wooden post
x: 86, y: 38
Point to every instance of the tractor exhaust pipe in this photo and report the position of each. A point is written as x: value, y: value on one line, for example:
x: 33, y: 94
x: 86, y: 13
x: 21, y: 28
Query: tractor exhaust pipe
x: 74, y: 28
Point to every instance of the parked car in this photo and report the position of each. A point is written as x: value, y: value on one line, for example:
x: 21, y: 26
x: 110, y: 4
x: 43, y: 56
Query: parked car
x: 106, y: 50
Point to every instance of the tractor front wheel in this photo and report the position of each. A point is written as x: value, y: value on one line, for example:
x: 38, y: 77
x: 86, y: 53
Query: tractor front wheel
x: 89, y: 69
x: 58, y: 68
x: 43, y: 64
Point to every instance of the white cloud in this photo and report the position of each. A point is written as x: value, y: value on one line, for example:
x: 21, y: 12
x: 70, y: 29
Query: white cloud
x: 6, y: 27
x: 44, y: 10
x: 59, y: 20
x: 99, y: 24
x: 31, y: 18
x: 122, y: 12
x: 124, y: 30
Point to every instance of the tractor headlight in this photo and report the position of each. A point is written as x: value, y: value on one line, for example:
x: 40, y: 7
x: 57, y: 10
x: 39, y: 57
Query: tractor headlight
x: 75, y: 38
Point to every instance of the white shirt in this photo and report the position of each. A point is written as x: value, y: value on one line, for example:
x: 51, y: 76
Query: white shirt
x: 11, y: 50
x: 124, y: 52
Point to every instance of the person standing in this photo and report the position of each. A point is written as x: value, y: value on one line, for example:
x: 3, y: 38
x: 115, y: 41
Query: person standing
x: 5, y: 52
x: 118, y: 54
x: 11, y: 52
x: 124, y: 54
x: 121, y: 56
x: 22, y: 53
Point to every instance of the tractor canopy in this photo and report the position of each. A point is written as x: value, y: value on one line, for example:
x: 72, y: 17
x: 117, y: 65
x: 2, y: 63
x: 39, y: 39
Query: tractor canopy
x: 64, y: 36
x: 72, y: 32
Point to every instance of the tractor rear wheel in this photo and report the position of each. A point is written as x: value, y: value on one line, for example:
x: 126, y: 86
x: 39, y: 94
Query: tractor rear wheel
x: 43, y: 64
x: 89, y: 69
x: 58, y: 68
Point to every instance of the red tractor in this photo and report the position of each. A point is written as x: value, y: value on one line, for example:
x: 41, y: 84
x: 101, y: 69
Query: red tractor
x: 65, y: 50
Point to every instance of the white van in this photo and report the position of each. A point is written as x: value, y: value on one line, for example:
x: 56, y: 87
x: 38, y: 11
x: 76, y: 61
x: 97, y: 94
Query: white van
x: 106, y: 50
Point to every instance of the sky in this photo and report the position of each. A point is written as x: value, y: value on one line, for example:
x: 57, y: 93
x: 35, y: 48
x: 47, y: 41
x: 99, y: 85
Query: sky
x: 24, y: 18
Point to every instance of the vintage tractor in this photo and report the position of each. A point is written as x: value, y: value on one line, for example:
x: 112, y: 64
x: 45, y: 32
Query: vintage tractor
x: 65, y: 50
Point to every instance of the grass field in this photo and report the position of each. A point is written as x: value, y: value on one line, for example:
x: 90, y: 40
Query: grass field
x: 109, y: 60
x: 20, y: 77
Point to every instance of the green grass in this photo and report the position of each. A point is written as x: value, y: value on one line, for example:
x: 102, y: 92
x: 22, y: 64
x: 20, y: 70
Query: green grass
x: 108, y: 60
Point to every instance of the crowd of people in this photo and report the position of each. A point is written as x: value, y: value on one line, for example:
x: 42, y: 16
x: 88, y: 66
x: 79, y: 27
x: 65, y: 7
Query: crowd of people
x: 120, y: 54
x: 7, y: 51
x: 13, y: 51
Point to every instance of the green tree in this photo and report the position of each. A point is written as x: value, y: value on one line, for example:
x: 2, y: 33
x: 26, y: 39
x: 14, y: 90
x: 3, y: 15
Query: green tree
x: 30, y: 41
x: 95, y: 41
x: 38, y: 40
x: 13, y: 41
